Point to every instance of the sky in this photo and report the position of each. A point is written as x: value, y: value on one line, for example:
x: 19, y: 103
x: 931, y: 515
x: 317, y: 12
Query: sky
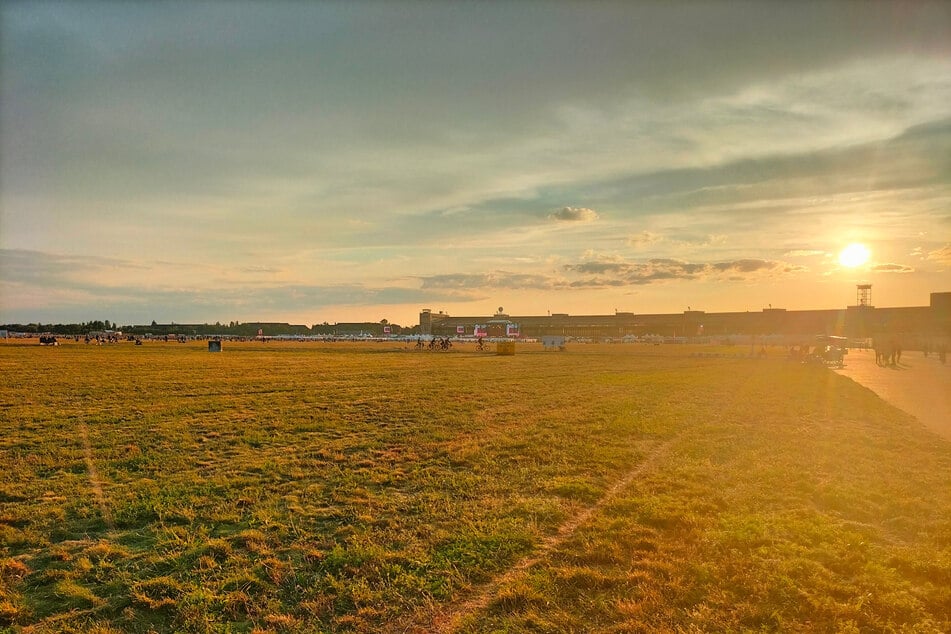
x: 358, y: 161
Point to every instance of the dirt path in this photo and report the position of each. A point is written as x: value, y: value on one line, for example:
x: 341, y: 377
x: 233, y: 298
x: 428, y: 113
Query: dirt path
x: 918, y: 385
x: 450, y: 617
x: 94, y: 482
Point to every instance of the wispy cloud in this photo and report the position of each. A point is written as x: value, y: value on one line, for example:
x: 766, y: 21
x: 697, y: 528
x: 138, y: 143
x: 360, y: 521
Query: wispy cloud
x: 891, y: 268
x: 493, y: 280
x: 676, y: 238
x: 574, y: 214
x: 942, y: 255
x: 261, y: 269
x: 644, y: 239
x: 90, y: 286
x: 615, y: 271
x: 43, y: 269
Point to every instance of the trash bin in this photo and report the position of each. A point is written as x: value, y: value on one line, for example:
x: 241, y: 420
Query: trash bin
x: 214, y: 346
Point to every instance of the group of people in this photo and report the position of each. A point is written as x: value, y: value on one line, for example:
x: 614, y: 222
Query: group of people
x: 887, y: 352
x: 445, y: 343
x: 435, y: 344
x: 101, y: 339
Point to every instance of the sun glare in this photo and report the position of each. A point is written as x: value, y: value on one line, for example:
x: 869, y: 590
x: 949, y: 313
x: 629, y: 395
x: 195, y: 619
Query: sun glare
x: 854, y: 255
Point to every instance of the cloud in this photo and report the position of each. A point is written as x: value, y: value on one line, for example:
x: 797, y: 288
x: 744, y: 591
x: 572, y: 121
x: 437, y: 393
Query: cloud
x: 47, y: 269
x: 818, y: 180
x: 644, y: 239
x: 86, y: 286
x: 746, y: 266
x: 574, y: 214
x: 803, y: 253
x: 676, y: 238
x: 891, y: 268
x: 942, y: 255
x: 138, y: 304
x: 611, y: 271
x: 497, y: 279
x: 703, y: 240
x: 262, y: 269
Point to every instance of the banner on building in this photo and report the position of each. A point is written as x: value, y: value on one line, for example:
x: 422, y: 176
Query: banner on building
x: 511, y: 330
x: 480, y: 330
x: 460, y: 330
x: 387, y: 330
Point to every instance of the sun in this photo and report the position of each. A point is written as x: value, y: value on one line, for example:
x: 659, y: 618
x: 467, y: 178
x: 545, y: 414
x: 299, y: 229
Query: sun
x: 854, y: 255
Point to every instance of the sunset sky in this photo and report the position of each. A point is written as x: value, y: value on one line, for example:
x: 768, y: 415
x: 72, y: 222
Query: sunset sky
x: 311, y: 162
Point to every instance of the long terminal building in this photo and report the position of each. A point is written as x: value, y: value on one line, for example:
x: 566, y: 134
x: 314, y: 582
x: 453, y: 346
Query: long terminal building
x: 859, y: 321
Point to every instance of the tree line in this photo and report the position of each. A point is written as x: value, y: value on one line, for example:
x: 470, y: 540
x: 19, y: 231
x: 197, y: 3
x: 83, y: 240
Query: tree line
x: 234, y: 328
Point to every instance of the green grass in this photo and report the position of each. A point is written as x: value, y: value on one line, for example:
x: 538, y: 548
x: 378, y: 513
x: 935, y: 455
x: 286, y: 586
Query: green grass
x: 352, y: 487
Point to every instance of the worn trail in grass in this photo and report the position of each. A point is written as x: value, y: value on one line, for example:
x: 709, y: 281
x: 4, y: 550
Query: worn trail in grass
x: 94, y: 482
x: 450, y: 617
x: 310, y: 487
x: 797, y: 504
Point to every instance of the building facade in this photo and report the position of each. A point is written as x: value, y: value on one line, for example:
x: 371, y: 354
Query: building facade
x: 860, y: 321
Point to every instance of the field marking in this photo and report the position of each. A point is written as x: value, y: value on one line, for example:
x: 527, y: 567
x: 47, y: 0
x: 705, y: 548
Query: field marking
x: 94, y: 480
x: 450, y: 618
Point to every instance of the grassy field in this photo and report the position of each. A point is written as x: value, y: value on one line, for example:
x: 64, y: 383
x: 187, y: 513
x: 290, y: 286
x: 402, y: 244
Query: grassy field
x: 289, y: 487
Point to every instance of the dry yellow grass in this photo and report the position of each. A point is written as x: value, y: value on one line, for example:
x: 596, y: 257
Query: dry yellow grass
x: 367, y: 487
